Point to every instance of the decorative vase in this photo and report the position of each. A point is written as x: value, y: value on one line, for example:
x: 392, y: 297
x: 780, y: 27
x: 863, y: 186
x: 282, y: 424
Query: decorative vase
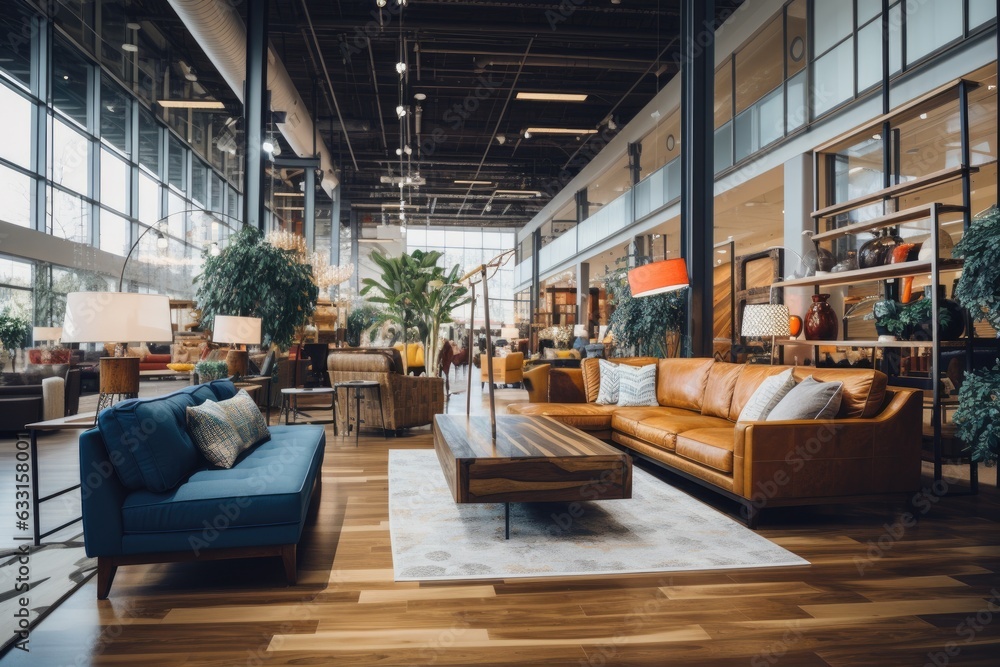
x: 849, y: 263
x: 904, y: 252
x: 821, y: 320
x: 794, y: 326
x: 878, y: 250
x: 945, y: 243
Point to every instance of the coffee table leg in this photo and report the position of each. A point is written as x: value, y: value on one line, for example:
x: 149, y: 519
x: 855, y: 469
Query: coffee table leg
x: 506, y: 521
x: 357, y: 416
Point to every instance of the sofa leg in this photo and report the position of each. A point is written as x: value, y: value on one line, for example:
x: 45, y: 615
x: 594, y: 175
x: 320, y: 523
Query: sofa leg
x: 753, y: 516
x: 105, y: 576
x: 288, y: 553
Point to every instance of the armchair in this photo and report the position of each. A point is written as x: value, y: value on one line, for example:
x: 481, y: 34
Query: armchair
x: 407, y: 401
x: 506, y: 370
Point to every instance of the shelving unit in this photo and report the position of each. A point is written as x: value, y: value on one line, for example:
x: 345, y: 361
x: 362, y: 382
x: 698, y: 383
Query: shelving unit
x: 931, y: 379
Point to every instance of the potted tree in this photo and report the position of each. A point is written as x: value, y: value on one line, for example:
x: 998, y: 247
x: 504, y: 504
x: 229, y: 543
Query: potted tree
x: 14, y: 331
x: 445, y: 293
x: 254, y: 278
x: 650, y: 326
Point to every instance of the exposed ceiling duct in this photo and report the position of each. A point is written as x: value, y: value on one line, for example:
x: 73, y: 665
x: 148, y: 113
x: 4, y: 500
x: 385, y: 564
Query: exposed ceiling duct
x: 220, y: 32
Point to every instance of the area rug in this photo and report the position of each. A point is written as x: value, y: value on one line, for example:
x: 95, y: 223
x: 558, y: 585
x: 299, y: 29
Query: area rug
x: 54, y: 572
x: 659, y: 529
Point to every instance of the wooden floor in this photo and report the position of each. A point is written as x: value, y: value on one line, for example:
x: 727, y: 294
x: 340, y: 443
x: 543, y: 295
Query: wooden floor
x: 877, y: 593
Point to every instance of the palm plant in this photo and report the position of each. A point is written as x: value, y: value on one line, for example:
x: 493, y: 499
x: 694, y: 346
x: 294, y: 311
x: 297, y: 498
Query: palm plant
x: 400, y: 289
x: 435, y: 306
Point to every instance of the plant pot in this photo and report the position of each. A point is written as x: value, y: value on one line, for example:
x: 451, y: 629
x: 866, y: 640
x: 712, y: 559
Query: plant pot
x: 955, y: 329
x: 821, y: 320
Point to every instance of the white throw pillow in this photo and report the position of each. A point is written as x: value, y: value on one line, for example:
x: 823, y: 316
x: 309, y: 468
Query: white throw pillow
x: 636, y: 386
x: 608, y: 393
x: 767, y: 396
x: 809, y: 399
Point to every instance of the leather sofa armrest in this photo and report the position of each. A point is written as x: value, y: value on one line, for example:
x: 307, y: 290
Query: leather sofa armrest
x: 566, y: 386
x: 805, y: 458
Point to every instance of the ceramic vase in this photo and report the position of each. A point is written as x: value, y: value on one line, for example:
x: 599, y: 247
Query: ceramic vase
x: 821, y: 320
x: 878, y: 251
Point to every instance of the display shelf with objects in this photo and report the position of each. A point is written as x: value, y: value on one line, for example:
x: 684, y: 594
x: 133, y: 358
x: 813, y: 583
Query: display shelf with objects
x: 911, y: 244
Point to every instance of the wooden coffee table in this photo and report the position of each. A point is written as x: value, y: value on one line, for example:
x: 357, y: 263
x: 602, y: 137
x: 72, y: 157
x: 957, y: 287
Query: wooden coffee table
x: 535, y: 459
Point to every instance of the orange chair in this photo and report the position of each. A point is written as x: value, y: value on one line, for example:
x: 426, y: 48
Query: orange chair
x: 506, y: 370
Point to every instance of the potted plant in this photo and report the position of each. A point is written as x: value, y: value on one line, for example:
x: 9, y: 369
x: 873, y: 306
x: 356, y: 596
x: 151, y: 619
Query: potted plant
x: 888, y: 321
x: 977, y: 418
x: 253, y: 278
x: 435, y: 306
x: 14, y: 331
x: 211, y: 370
x: 978, y: 287
x: 917, y: 317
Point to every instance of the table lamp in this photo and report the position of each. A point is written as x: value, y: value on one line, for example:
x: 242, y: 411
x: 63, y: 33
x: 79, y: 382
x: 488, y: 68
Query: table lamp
x: 234, y: 330
x: 46, y: 335
x: 761, y: 320
x: 119, y: 318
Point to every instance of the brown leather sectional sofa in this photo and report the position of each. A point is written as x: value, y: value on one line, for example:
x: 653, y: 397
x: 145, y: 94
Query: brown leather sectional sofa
x: 871, y: 448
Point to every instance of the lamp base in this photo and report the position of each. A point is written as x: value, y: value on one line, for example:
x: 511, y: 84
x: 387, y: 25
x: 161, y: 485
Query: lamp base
x: 119, y: 377
x: 237, y: 362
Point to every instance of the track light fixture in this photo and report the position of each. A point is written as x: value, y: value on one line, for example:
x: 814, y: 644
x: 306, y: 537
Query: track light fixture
x: 401, y: 68
x: 401, y: 111
x: 380, y: 3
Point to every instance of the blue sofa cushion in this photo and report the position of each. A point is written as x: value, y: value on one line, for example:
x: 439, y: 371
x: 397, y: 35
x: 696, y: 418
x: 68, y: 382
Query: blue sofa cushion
x: 223, y: 389
x: 269, y: 485
x: 148, y: 441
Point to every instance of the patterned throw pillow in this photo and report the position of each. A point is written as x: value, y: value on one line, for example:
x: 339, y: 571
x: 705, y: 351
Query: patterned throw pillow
x: 809, y: 399
x: 636, y: 386
x: 222, y: 430
x: 767, y: 396
x: 608, y: 393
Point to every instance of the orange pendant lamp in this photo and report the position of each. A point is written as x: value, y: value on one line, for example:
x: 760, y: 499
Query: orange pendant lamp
x: 658, y: 277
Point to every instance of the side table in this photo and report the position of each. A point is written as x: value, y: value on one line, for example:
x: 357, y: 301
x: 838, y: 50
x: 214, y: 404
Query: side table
x: 358, y: 386
x: 82, y: 421
x: 289, y: 403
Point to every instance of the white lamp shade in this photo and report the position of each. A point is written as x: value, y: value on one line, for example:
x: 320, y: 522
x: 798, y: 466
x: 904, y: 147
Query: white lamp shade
x: 46, y: 333
x: 580, y: 331
x: 765, y: 319
x: 232, y: 329
x: 509, y: 333
x: 116, y: 317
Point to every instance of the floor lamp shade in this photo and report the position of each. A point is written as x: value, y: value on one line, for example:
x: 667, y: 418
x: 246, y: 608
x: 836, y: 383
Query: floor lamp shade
x: 509, y: 333
x: 658, y: 277
x: 116, y: 317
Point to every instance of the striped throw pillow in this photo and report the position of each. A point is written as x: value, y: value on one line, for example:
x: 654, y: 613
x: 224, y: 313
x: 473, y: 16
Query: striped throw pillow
x: 608, y: 392
x: 767, y: 396
x: 636, y: 386
x: 225, y: 429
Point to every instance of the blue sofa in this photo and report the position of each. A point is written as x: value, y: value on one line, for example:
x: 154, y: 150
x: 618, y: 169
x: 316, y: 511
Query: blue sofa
x: 149, y: 496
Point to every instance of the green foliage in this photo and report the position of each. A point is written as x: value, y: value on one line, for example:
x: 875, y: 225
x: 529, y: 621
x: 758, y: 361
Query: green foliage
x: 211, y: 370
x: 252, y: 278
x: 901, y: 320
x: 889, y: 314
x: 415, y: 292
x: 360, y: 320
x: 978, y: 287
x: 640, y: 325
x: 14, y: 331
x: 978, y: 415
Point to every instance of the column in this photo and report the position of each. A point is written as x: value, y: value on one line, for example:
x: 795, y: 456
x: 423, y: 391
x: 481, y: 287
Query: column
x: 255, y: 113
x: 583, y: 295
x: 697, y: 50
x: 799, y: 201
x: 309, y: 214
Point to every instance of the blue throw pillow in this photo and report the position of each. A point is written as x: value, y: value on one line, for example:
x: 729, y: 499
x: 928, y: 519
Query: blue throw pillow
x: 148, y: 441
x: 223, y: 389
